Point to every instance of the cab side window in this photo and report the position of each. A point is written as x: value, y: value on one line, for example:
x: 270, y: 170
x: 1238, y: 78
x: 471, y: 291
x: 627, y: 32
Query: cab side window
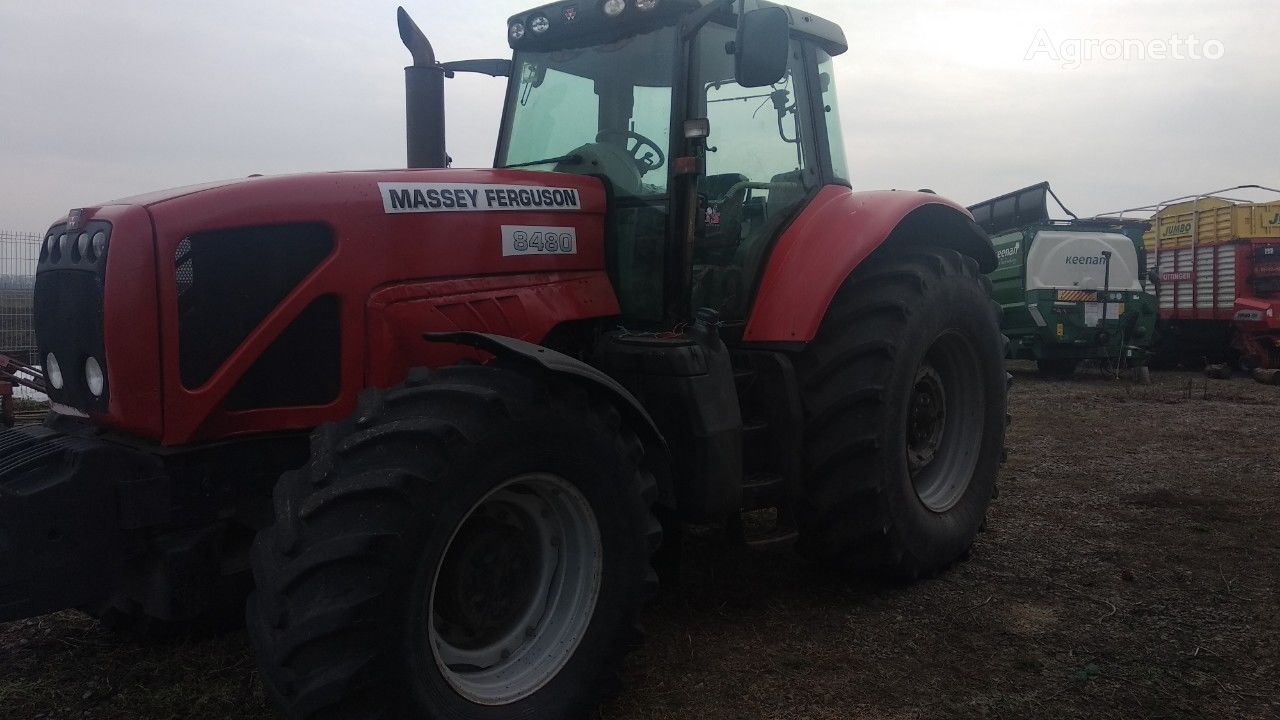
x: 759, y: 170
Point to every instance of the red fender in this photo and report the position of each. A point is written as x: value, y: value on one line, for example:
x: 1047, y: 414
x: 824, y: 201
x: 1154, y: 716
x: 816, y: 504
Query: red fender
x: 833, y: 236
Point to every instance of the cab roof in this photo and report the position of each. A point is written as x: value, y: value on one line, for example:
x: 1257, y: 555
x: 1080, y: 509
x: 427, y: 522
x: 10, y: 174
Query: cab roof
x: 573, y: 23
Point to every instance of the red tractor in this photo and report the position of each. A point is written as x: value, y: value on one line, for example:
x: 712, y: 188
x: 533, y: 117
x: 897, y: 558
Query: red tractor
x: 440, y: 421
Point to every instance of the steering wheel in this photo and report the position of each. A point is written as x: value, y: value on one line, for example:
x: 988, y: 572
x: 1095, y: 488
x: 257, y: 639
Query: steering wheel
x: 646, y: 163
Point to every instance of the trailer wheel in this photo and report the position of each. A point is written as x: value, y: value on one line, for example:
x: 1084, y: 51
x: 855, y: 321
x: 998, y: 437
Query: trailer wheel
x: 475, y: 543
x: 905, y: 401
x: 1057, y: 368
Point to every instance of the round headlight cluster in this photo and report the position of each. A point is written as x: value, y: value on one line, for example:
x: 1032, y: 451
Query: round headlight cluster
x: 614, y: 8
x: 539, y: 24
x: 94, y: 377
x: 53, y: 372
x: 517, y: 31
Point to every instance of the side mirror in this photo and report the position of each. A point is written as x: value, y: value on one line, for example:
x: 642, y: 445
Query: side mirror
x: 763, y: 47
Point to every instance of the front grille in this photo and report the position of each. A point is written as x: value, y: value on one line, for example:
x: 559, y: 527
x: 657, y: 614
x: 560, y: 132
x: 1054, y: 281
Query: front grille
x: 302, y: 368
x: 69, y: 293
x: 230, y: 281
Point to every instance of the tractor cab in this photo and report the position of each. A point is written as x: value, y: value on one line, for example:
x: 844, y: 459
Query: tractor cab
x: 711, y: 129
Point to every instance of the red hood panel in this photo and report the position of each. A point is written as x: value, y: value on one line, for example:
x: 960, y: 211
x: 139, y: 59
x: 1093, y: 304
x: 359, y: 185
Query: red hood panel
x: 390, y: 228
x: 324, y: 189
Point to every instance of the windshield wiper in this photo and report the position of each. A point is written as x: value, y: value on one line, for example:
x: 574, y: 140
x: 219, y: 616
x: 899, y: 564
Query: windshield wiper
x: 549, y: 161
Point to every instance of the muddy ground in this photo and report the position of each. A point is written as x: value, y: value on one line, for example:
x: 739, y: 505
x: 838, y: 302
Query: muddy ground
x: 1131, y: 570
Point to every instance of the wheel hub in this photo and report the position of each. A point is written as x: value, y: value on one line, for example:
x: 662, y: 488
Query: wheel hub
x: 515, y: 590
x: 488, y: 580
x: 946, y: 412
x: 927, y: 419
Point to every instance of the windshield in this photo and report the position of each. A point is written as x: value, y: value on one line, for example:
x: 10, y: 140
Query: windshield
x: 601, y: 110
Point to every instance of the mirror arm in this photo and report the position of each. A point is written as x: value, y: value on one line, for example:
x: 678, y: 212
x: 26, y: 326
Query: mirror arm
x: 492, y: 68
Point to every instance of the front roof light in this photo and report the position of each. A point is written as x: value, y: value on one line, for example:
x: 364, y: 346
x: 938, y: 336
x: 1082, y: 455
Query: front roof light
x: 614, y: 8
x: 83, y: 246
x: 646, y: 5
x: 539, y: 24
x: 99, y: 244
x: 517, y: 31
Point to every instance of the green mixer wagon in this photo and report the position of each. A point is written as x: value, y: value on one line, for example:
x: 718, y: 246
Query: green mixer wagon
x: 1070, y: 290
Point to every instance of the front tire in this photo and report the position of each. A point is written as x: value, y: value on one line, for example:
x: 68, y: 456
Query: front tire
x: 905, y: 398
x: 474, y: 544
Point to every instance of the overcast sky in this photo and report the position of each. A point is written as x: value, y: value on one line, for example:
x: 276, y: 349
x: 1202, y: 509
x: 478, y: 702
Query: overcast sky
x: 107, y: 98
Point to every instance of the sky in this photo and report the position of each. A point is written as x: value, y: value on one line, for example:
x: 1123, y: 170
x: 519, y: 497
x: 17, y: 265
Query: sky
x: 1117, y: 103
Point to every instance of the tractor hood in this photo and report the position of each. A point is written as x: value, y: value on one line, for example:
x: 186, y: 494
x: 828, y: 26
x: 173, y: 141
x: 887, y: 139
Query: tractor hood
x: 394, y: 191
x: 230, y: 291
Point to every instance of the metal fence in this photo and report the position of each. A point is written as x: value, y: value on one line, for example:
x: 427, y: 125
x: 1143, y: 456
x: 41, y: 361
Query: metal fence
x: 19, y: 253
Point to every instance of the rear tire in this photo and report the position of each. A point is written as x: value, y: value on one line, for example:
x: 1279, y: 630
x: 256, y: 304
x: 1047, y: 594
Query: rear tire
x: 905, y: 402
x: 474, y: 544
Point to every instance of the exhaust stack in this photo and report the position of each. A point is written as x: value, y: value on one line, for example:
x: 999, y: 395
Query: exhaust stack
x: 424, y: 98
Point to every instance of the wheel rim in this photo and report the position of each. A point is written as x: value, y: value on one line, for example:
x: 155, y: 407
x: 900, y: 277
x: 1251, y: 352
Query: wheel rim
x: 945, y: 422
x: 515, y: 589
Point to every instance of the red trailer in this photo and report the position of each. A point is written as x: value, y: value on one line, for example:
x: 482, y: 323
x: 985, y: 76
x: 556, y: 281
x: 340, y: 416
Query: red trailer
x: 1214, y: 261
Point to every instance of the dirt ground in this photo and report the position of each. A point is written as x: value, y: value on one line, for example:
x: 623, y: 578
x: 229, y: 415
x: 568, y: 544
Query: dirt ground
x: 1131, y: 569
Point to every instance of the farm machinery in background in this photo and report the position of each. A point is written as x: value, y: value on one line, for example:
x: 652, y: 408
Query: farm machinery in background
x: 1069, y: 290
x: 452, y: 418
x: 13, y: 375
x: 1214, y: 261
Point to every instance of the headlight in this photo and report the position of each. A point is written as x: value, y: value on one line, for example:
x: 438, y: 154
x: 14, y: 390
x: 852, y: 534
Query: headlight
x: 53, y: 372
x: 99, y: 244
x: 614, y: 8
x: 539, y: 24
x: 646, y: 5
x: 83, y: 244
x: 93, y: 377
x: 517, y: 31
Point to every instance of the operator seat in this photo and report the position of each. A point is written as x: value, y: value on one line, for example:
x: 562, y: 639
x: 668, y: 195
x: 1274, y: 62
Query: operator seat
x: 724, y: 283
x: 787, y: 193
x: 722, y: 226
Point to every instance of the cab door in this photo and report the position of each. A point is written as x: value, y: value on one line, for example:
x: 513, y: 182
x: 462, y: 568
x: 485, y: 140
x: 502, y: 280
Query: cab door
x: 760, y: 169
